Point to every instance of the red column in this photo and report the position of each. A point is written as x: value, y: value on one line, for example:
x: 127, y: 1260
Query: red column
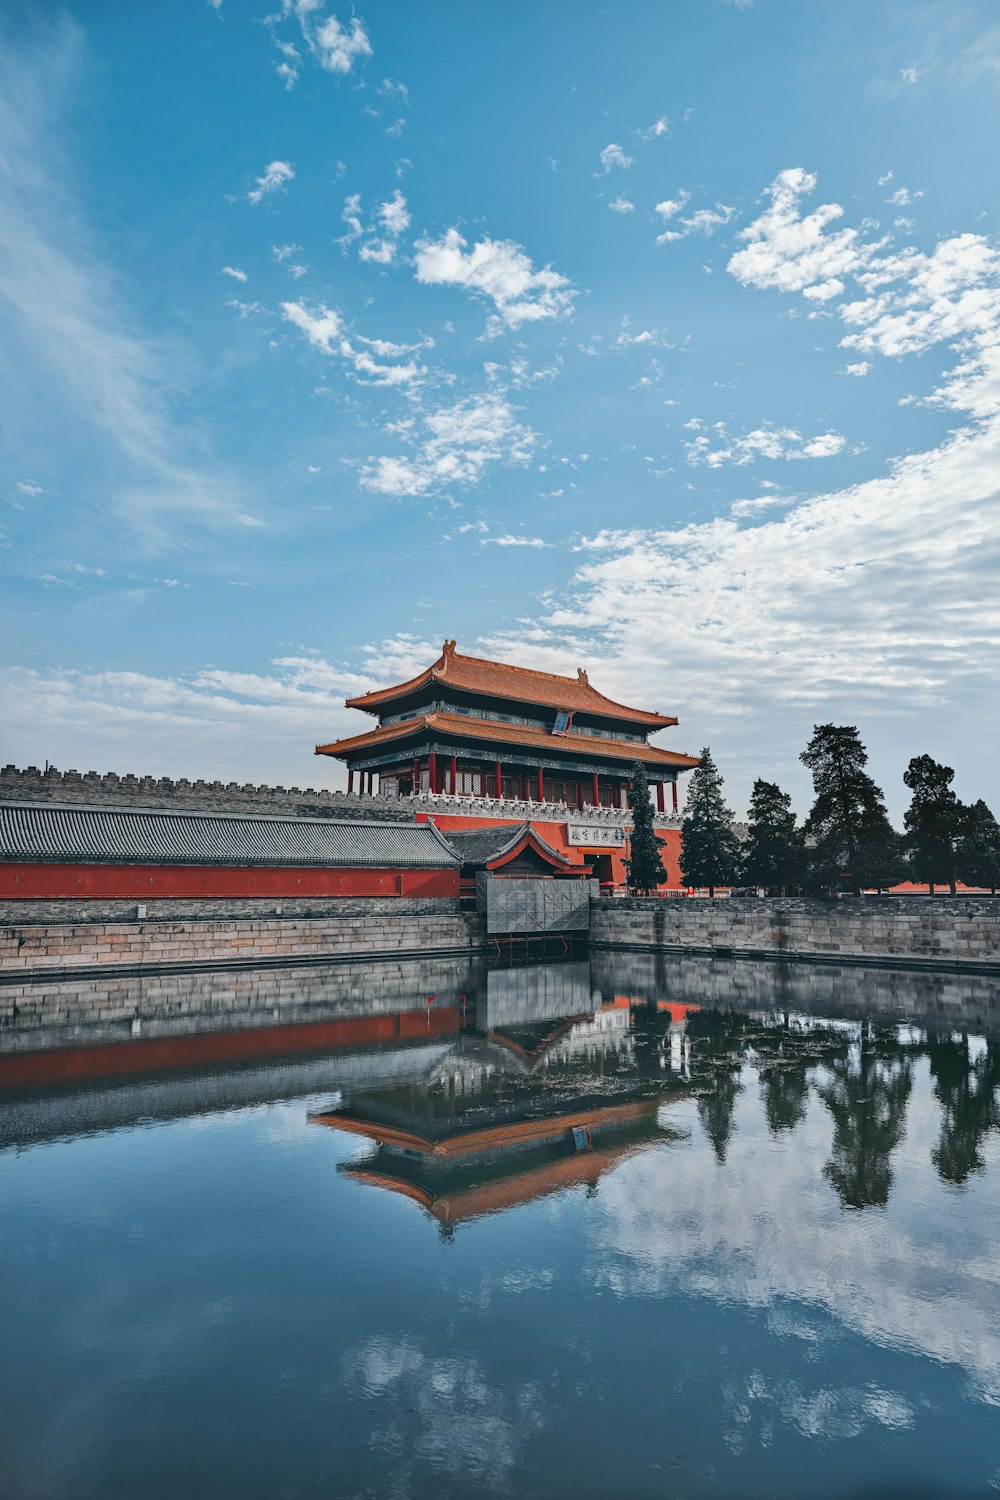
x: 350, y: 779
x: 432, y: 767
x: 416, y: 776
x: 454, y: 775
x: 497, y: 781
x: 597, y: 791
x: 661, y: 805
x: 579, y: 795
x: 673, y: 788
x: 541, y: 785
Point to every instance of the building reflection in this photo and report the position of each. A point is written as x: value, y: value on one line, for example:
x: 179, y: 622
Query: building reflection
x: 549, y: 1087
x: 472, y: 1090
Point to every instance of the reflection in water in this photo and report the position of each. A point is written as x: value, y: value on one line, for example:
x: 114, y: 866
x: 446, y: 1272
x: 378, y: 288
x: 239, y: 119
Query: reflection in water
x: 427, y: 1229
x: 867, y: 1095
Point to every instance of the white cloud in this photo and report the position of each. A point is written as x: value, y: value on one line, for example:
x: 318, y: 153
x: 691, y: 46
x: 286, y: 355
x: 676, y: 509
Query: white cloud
x: 335, y: 47
x: 324, y: 328
x: 457, y: 443
x: 499, y: 270
x: 792, y: 252
x: 214, y: 723
x: 275, y: 175
x: 28, y: 489
x: 902, y: 197
x: 909, y: 75
x: 390, y: 221
x: 858, y: 370
x: 621, y: 205
x: 763, y: 442
x: 909, y: 300
x: 513, y: 541
x: 234, y: 272
x: 613, y: 156
x: 69, y: 339
x: 658, y: 128
x: 704, y: 221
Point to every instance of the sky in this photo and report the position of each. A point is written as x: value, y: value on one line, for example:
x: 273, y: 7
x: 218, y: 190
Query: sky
x: 661, y: 339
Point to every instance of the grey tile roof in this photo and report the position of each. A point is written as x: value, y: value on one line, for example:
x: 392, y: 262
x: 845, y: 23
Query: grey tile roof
x: 100, y: 835
x: 477, y: 846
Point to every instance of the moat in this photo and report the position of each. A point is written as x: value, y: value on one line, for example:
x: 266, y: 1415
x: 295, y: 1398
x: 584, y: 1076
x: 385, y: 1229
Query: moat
x: 632, y: 1227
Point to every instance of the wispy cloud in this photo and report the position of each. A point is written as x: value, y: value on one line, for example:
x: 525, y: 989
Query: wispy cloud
x: 769, y: 441
x: 275, y: 175
x: 703, y: 221
x: 613, y: 156
x: 325, y: 330
x: 453, y: 446
x: 500, y: 271
x: 335, y: 46
x: 62, y: 318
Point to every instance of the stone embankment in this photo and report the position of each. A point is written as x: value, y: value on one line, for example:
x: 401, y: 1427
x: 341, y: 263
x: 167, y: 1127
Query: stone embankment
x: 45, y: 947
x: 902, y: 931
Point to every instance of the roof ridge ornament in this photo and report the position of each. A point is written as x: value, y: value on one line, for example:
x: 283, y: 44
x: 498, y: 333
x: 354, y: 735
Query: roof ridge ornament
x: 447, y: 651
x: 581, y: 673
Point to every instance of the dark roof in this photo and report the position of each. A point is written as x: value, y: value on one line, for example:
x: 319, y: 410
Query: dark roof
x: 498, y: 679
x: 480, y: 846
x: 466, y: 727
x: 100, y: 835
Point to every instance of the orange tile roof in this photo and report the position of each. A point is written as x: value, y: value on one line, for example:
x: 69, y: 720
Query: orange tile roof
x: 497, y: 679
x: 462, y: 726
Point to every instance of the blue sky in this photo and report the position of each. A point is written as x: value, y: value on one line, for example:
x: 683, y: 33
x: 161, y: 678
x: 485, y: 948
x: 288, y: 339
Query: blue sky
x: 657, y: 338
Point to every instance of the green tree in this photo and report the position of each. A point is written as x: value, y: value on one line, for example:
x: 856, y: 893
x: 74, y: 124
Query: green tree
x: 644, y: 868
x: 710, y: 848
x: 978, y: 853
x: 853, y: 842
x: 774, y: 853
x: 934, y: 822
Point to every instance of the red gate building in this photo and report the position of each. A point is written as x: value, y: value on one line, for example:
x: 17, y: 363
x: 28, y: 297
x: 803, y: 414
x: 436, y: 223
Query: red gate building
x: 472, y: 741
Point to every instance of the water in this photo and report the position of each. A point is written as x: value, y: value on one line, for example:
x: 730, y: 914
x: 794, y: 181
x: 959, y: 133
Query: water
x: 774, y: 1272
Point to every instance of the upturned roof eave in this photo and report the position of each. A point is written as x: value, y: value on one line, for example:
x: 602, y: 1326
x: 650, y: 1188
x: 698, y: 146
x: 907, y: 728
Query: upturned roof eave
x: 375, y: 700
x: 570, y: 745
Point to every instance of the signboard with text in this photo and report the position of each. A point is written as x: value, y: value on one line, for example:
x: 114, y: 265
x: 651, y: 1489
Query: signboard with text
x: 585, y: 836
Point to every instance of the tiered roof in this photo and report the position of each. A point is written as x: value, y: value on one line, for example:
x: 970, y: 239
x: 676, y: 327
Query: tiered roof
x: 465, y: 726
x: 497, y: 679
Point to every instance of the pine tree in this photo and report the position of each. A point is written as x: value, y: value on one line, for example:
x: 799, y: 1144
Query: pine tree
x: 853, y: 842
x: 644, y: 867
x: 710, y: 848
x: 934, y: 821
x: 774, y: 854
x: 978, y: 853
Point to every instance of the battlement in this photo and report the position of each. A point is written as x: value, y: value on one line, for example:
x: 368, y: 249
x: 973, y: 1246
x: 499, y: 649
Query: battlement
x: 112, y: 790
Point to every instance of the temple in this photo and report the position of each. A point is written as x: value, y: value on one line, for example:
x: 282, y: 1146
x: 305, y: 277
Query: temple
x: 471, y: 741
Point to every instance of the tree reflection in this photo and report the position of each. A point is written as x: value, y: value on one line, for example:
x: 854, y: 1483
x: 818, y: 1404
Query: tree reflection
x: 720, y: 1040
x: 970, y: 1109
x: 867, y: 1097
x: 785, y: 1091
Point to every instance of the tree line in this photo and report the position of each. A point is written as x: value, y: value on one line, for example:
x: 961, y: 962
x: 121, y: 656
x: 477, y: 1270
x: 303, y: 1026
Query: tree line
x: 847, y: 842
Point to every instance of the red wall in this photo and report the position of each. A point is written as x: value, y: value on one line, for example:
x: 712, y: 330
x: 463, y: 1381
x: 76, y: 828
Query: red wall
x: 139, y: 882
x: 555, y: 834
x: 114, y: 1059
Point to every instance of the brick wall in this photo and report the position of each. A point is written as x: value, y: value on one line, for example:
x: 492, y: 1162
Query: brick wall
x: 944, y: 930
x: 369, y: 929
